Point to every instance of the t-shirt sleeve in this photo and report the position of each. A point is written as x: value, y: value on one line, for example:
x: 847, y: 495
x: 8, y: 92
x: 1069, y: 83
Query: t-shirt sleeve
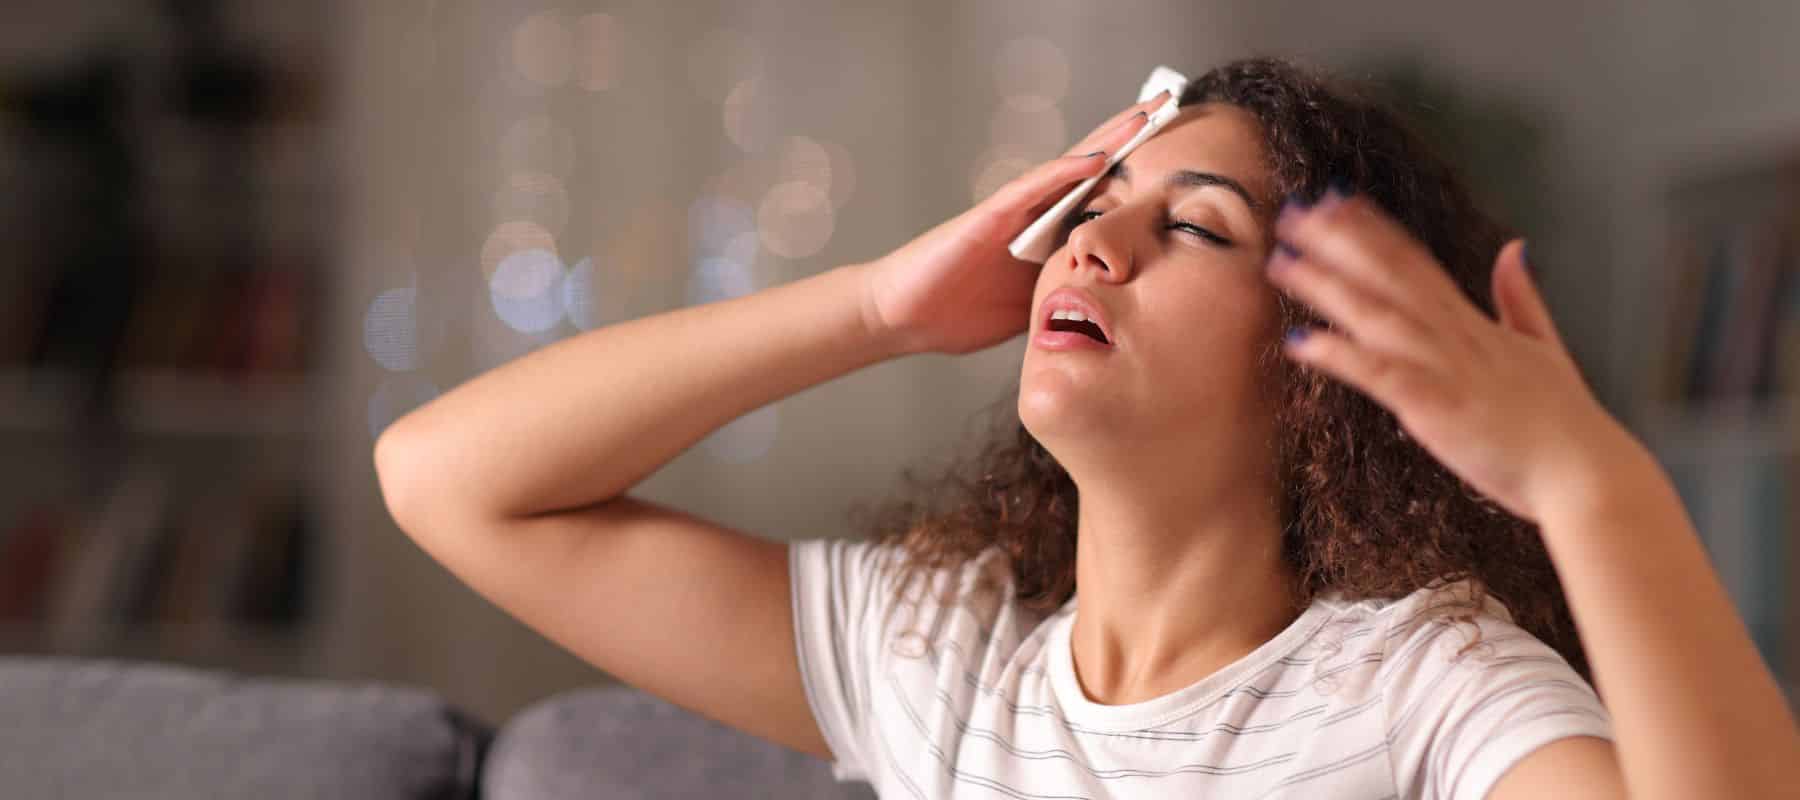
x: 1458, y: 723
x: 842, y: 590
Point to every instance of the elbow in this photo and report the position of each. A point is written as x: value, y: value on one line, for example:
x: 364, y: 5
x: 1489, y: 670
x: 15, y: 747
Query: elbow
x: 397, y: 477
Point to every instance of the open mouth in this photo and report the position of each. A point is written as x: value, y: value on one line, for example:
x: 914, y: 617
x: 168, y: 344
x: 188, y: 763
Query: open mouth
x: 1080, y: 326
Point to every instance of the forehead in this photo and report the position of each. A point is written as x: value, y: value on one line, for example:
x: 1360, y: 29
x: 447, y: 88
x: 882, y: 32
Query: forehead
x: 1208, y: 137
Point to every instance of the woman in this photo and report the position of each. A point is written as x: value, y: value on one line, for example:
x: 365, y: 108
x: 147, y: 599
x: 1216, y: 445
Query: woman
x: 1321, y: 565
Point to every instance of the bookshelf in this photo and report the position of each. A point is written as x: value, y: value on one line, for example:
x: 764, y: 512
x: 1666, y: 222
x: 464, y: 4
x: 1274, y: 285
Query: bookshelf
x: 1710, y: 216
x: 161, y: 375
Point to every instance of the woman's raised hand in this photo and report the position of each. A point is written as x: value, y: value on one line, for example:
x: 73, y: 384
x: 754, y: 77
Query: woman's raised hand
x: 956, y: 288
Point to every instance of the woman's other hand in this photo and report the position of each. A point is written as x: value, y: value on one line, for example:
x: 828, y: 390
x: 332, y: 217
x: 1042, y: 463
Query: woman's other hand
x: 956, y: 288
x: 1500, y: 402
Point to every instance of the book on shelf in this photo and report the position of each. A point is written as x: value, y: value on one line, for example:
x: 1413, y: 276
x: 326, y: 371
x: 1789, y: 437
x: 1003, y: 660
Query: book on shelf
x: 144, y: 557
x: 240, y: 322
x: 90, y: 592
x: 1734, y: 292
x: 29, y: 551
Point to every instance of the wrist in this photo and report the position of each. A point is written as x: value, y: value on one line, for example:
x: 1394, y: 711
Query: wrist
x: 890, y: 341
x: 1610, y: 474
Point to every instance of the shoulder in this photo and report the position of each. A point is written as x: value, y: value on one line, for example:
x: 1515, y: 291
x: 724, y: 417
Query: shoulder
x: 884, y: 575
x: 1438, y: 639
x: 1467, y: 692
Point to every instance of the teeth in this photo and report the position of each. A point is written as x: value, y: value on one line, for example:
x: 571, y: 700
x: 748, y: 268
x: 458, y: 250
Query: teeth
x: 1072, y: 316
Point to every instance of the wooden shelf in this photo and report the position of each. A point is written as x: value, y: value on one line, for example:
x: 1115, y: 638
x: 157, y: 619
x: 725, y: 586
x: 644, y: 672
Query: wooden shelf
x: 236, y: 647
x: 164, y: 402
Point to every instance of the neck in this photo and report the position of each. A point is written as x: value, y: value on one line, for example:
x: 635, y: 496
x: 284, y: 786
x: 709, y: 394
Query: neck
x: 1174, y: 587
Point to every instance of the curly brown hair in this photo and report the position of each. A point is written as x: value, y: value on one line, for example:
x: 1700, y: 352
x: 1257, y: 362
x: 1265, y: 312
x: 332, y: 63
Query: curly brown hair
x: 1365, y: 510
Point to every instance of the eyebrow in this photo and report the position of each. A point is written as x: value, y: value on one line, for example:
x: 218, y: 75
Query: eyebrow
x: 1187, y: 178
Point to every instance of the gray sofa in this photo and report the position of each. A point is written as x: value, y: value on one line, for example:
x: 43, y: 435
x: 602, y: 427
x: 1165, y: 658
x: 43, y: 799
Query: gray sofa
x: 78, y: 728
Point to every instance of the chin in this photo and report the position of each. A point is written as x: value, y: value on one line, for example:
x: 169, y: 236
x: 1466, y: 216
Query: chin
x: 1052, y: 408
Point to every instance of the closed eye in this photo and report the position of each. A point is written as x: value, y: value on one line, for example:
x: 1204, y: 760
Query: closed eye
x: 1082, y: 216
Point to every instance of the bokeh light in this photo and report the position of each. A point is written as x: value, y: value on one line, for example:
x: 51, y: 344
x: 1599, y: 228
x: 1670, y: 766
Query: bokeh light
x: 716, y: 278
x: 795, y: 219
x: 390, y: 330
x: 843, y: 173
x: 542, y: 49
x: 578, y: 296
x: 396, y: 396
x: 527, y: 290
x: 714, y: 220
x: 511, y: 237
x: 533, y: 197
x: 493, y: 341
x: 598, y: 43
x: 800, y: 158
x: 1031, y: 73
x: 749, y: 123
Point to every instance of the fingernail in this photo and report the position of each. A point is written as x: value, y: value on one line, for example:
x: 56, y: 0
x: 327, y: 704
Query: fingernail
x: 1095, y: 153
x: 1296, y: 334
x: 1292, y: 208
x: 1529, y: 269
x: 1281, y: 258
x: 1341, y: 188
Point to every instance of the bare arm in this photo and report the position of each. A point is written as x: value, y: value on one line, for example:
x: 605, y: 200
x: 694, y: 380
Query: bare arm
x: 1697, y: 712
x: 586, y: 418
x: 516, y: 480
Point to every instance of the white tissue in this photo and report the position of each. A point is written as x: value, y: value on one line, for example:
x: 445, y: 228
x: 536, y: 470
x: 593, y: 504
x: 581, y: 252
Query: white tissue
x: 1038, y: 240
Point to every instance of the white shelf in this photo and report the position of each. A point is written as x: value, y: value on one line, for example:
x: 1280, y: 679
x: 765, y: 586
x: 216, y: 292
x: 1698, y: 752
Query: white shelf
x: 163, y: 402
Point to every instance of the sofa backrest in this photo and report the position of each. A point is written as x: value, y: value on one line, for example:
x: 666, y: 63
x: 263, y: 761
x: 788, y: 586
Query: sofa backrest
x: 620, y: 743
x: 98, y: 729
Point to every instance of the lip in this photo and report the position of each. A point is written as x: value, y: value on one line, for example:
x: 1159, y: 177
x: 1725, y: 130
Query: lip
x: 1073, y: 299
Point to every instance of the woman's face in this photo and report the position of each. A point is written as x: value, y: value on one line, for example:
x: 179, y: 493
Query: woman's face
x: 1170, y: 247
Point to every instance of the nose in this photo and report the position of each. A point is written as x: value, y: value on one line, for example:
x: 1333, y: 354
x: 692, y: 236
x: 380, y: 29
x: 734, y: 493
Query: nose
x: 1103, y: 244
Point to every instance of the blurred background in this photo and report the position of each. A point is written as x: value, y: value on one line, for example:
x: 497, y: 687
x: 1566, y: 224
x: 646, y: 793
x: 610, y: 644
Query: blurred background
x: 241, y: 238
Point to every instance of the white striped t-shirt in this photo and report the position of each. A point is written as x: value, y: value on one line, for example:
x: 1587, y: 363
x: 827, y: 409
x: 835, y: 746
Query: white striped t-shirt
x: 971, y: 696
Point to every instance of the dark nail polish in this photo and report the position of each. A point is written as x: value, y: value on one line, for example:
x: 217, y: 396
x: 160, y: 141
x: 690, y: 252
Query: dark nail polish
x: 1341, y: 188
x: 1296, y: 334
x: 1298, y: 200
x: 1285, y: 250
x: 1526, y: 260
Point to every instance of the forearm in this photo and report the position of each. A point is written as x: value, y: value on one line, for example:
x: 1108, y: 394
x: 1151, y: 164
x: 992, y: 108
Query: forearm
x: 584, y: 419
x: 1696, y: 711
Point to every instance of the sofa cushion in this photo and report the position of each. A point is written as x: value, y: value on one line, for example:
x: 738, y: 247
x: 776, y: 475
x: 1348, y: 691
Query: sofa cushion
x: 620, y: 743
x: 96, y: 729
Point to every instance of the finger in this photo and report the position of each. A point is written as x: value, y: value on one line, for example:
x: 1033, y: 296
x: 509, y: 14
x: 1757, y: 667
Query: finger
x: 1369, y: 320
x: 1517, y: 299
x: 1355, y: 237
x: 1041, y: 186
x: 1093, y: 140
x: 1397, y: 384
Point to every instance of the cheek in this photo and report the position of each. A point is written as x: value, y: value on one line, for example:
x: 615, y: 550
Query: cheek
x: 1211, y: 333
